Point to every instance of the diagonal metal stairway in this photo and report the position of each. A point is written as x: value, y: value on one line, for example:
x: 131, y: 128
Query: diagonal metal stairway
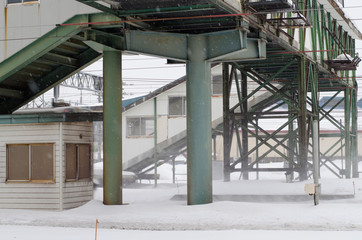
x: 176, y: 145
x: 46, y: 62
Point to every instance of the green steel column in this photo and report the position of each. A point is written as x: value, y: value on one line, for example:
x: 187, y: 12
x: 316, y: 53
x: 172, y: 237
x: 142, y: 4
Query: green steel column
x: 302, y: 121
x: 291, y: 139
x: 226, y: 121
x: 355, y: 173
x: 155, y: 152
x: 198, y: 92
x: 313, y: 74
x: 112, y: 125
x: 244, y: 122
x: 354, y: 146
x: 347, y: 119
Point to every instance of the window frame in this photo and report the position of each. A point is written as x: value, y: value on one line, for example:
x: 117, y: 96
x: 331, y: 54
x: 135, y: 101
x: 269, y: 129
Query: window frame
x: 29, y: 155
x: 183, y: 107
x: 77, y: 162
x: 217, y: 85
x: 141, y: 133
x: 23, y: 2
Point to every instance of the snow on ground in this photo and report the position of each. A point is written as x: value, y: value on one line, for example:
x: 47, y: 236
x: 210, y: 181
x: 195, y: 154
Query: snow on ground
x: 41, y: 233
x: 150, y: 214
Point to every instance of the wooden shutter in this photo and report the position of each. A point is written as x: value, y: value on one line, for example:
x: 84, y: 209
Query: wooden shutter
x: 71, y: 161
x: 42, y: 161
x: 18, y: 162
x: 84, y: 161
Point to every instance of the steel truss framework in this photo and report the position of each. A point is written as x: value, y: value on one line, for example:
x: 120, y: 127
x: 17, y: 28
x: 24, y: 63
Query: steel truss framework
x: 80, y: 81
x: 289, y: 77
x: 201, y: 32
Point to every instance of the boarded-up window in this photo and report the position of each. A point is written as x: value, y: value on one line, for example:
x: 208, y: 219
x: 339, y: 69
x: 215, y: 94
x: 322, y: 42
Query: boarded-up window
x: 18, y: 162
x: 71, y: 161
x: 84, y: 161
x: 78, y: 161
x: 42, y: 162
x: 27, y: 162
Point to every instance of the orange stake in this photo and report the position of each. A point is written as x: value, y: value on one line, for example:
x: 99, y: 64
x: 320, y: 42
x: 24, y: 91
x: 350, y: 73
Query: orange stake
x: 96, y: 228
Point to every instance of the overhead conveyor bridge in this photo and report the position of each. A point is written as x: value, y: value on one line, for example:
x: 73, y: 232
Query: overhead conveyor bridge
x: 270, y: 46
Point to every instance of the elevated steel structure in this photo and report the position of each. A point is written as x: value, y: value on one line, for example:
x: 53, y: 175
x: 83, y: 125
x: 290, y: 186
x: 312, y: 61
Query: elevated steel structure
x: 247, y: 40
x: 80, y: 81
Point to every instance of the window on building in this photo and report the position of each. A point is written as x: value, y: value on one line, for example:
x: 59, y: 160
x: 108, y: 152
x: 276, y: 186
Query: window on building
x: 217, y: 85
x: 78, y: 161
x: 140, y: 126
x: 176, y: 106
x: 30, y: 162
x: 22, y: 1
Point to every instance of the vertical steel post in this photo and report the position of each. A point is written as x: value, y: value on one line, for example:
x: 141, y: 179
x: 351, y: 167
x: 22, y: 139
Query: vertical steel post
x: 302, y: 120
x: 198, y: 92
x: 112, y: 128
x: 313, y: 74
x: 173, y: 170
x: 347, y: 121
x: 155, y: 152
x: 354, y: 143
x: 56, y: 92
x: 316, y: 160
x: 226, y: 122
x: 291, y: 140
x: 355, y: 172
x: 244, y: 122
x: 214, y: 146
x: 257, y: 150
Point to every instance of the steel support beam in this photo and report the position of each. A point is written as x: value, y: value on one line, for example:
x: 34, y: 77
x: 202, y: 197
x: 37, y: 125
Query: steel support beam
x: 313, y: 75
x: 175, y: 46
x: 354, y: 140
x: 226, y: 121
x: 244, y: 122
x: 302, y: 120
x: 198, y: 51
x: 198, y: 92
x: 112, y: 125
x: 347, y: 122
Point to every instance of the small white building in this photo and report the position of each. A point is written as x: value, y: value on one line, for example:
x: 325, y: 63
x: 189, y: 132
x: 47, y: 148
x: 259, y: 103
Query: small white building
x: 46, y: 160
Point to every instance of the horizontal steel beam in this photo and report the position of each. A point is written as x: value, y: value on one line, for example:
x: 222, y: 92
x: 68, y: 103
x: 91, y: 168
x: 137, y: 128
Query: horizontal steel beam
x: 175, y: 46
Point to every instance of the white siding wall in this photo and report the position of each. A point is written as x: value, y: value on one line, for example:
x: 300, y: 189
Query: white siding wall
x: 28, y: 195
x: 44, y: 195
x: 22, y: 24
x: 167, y: 127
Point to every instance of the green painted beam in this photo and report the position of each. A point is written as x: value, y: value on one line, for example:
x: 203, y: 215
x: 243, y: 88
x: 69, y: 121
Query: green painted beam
x: 174, y: 46
x: 198, y: 92
x: 50, y: 117
x: 112, y: 125
x: 170, y: 45
x: 53, y: 78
